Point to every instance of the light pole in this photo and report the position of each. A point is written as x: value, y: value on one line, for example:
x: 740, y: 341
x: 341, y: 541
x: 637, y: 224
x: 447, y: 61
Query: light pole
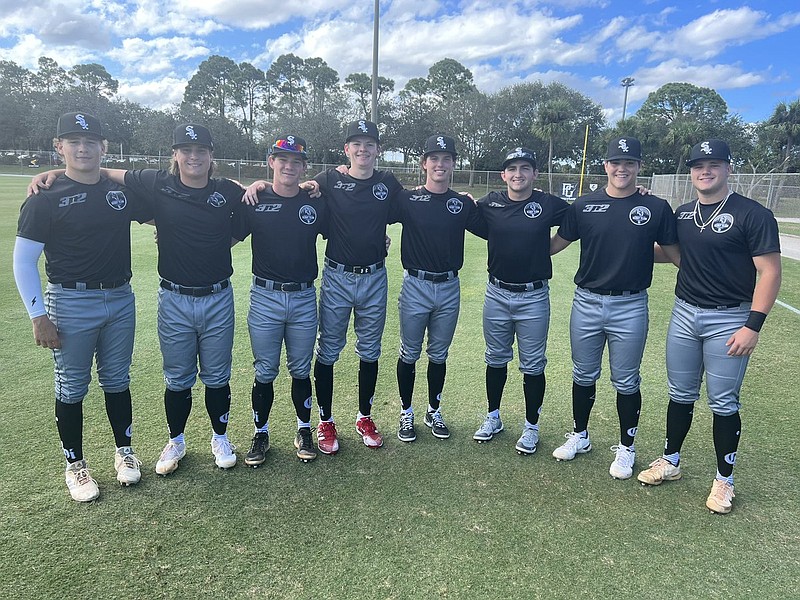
x: 626, y: 83
x: 375, y: 30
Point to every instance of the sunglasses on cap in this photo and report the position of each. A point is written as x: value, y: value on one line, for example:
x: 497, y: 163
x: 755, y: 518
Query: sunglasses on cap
x: 287, y: 145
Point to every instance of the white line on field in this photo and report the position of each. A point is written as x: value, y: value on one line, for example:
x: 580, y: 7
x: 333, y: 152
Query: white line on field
x: 789, y: 306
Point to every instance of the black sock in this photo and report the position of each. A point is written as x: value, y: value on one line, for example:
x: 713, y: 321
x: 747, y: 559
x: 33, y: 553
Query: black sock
x: 261, y: 398
x: 120, y: 415
x: 436, y: 375
x: 495, y: 382
x: 727, y: 430
x: 69, y: 421
x: 582, y: 402
x: 323, y: 384
x: 367, y: 379
x: 679, y: 420
x: 218, y: 406
x: 533, y: 387
x: 301, y: 398
x: 629, y: 406
x: 406, y: 374
x: 177, y: 405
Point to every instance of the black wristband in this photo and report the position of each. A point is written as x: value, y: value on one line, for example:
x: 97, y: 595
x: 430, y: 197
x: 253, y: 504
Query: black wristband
x: 755, y: 320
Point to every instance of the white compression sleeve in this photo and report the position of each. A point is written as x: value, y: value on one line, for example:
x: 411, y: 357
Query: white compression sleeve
x: 26, y: 274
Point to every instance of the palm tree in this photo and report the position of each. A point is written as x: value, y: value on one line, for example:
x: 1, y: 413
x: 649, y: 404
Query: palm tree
x: 553, y: 118
x: 784, y: 125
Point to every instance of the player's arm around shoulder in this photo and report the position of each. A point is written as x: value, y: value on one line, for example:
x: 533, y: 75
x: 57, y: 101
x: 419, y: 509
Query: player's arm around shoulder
x: 43, y: 181
x: 768, y: 283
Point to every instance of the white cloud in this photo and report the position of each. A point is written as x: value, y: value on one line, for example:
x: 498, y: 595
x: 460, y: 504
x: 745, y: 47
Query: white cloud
x: 710, y: 34
x: 156, y: 55
x: 155, y: 93
x: 29, y: 48
x: 260, y: 14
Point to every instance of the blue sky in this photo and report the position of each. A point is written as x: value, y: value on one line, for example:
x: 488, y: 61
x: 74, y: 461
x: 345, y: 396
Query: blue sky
x: 747, y: 51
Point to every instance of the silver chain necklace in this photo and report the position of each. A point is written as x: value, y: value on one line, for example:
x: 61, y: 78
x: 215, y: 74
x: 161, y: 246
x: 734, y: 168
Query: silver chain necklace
x: 698, y: 218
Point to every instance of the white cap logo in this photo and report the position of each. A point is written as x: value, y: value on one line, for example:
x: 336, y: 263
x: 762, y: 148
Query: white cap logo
x: 362, y: 126
x: 440, y: 142
x: 623, y: 145
x: 706, y: 148
x: 190, y: 132
x: 80, y: 120
x: 290, y: 139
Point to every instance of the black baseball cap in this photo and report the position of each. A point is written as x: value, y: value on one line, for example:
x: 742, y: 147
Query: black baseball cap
x: 440, y: 143
x: 192, y: 133
x: 289, y: 144
x: 520, y: 154
x: 624, y: 148
x: 79, y: 122
x: 709, y: 149
x: 362, y: 127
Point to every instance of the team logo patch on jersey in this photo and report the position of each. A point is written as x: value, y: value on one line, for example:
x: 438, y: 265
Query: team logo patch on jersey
x: 722, y: 223
x: 596, y: 208
x: 639, y: 215
x: 216, y: 200
x: 116, y: 200
x: 308, y: 214
x: 380, y: 191
x: 683, y: 215
x: 420, y: 198
x: 67, y: 200
x: 533, y: 210
x: 494, y: 204
x: 268, y: 207
x: 454, y: 205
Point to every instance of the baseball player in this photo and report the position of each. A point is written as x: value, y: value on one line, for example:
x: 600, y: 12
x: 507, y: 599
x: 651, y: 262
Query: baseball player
x: 517, y: 226
x: 617, y: 227
x: 193, y: 215
x: 283, y: 301
x: 354, y: 278
x: 729, y: 277
x: 82, y: 224
x: 432, y: 251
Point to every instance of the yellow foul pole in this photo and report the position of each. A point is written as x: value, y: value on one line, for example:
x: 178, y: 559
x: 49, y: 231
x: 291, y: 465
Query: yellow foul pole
x: 583, y: 162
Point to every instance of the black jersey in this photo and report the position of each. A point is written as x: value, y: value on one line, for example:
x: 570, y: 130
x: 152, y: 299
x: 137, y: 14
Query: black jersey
x: 518, y: 234
x: 433, y: 228
x: 194, y: 225
x: 85, y: 229
x: 284, y: 234
x: 717, y: 262
x: 617, y: 236
x: 358, y: 214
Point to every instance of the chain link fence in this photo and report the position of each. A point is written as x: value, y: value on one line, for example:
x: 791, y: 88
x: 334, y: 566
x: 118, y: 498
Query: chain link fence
x: 780, y: 192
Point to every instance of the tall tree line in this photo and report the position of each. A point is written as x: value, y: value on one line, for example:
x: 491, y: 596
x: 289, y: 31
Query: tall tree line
x: 247, y: 107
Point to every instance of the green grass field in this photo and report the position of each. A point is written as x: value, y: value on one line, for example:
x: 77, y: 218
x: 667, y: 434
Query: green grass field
x: 450, y: 519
